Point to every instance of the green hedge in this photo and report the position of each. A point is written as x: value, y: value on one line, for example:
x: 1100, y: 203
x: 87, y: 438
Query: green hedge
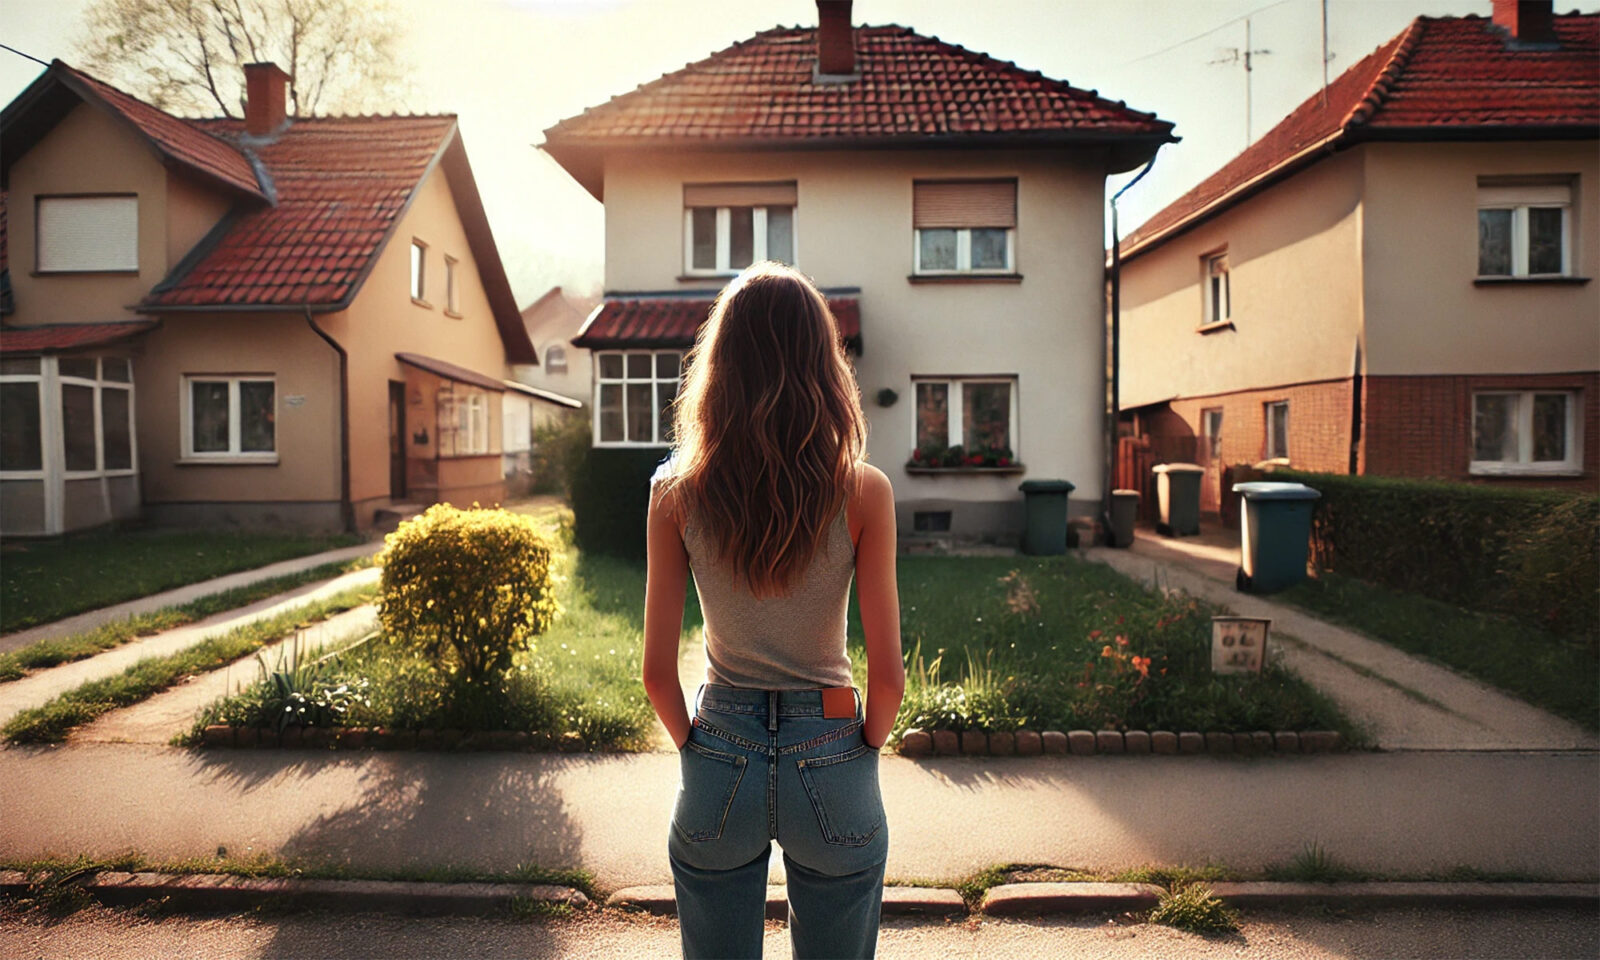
x: 611, y: 497
x: 1534, y: 554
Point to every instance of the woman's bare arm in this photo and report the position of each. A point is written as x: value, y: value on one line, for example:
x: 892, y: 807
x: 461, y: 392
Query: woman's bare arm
x: 878, y: 592
x: 666, y: 578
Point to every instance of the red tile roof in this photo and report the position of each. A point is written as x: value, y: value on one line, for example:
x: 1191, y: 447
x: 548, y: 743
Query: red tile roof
x: 340, y: 184
x: 911, y: 88
x: 673, y: 321
x: 69, y: 336
x: 1440, y: 78
x: 180, y: 141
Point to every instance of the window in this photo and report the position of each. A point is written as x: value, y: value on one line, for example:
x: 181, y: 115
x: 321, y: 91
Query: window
x: 634, y: 394
x: 231, y: 417
x: 419, y: 265
x: 555, y: 359
x: 984, y: 428
x: 463, y: 412
x: 1277, y: 445
x: 1527, y: 431
x: 96, y: 414
x: 728, y: 226
x: 21, y: 422
x: 1524, y: 230
x: 87, y: 234
x: 1218, y: 306
x: 964, y: 226
x: 452, y: 299
x: 1211, y: 432
x: 931, y: 521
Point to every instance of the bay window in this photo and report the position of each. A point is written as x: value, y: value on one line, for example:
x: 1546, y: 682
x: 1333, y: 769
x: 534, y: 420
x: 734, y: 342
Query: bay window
x: 634, y: 391
x: 728, y: 226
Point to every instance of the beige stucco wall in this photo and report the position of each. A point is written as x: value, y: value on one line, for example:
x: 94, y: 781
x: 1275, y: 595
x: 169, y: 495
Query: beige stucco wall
x: 307, y: 417
x: 192, y: 210
x: 87, y: 152
x: 1294, y: 258
x: 1424, y: 314
x: 853, y: 229
x: 384, y: 320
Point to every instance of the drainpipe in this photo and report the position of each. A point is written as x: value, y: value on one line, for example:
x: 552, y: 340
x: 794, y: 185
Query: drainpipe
x: 347, y: 514
x: 1114, y: 410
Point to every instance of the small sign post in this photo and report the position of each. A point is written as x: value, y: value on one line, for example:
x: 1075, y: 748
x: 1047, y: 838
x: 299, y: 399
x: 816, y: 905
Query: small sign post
x: 1239, y: 644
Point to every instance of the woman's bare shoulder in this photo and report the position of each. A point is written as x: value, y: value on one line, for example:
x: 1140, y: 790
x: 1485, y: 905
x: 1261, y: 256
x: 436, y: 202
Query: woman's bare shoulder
x: 870, y: 498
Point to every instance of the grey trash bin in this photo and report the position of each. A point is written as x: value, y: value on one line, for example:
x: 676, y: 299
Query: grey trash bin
x: 1124, y: 513
x: 1275, y: 534
x: 1046, y: 531
x: 1178, y: 497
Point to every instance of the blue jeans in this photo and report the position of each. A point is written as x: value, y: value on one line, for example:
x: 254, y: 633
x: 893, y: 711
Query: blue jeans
x: 764, y: 765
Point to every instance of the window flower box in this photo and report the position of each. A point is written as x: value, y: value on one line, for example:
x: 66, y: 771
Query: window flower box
x: 932, y: 458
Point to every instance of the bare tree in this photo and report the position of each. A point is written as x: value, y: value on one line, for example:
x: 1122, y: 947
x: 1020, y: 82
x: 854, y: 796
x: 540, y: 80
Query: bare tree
x: 187, y: 56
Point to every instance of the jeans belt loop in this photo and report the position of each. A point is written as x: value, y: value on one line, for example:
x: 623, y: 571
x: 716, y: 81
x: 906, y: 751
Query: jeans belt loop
x: 772, y: 710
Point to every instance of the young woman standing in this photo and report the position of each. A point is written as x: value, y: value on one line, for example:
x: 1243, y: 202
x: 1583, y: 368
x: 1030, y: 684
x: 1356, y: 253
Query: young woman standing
x: 767, y: 502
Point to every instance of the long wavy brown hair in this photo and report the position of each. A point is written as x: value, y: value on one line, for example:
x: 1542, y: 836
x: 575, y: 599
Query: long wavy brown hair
x: 768, y: 427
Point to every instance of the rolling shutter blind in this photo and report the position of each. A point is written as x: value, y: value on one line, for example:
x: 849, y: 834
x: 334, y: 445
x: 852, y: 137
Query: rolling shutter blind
x: 88, y: 233
x: 1530, y: 194
x: 740, y: 194
x: 964, y: 203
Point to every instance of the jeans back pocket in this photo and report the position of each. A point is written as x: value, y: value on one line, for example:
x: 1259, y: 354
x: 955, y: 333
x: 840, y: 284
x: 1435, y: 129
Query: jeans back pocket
x: 710, y: 780
x: 843, y: 789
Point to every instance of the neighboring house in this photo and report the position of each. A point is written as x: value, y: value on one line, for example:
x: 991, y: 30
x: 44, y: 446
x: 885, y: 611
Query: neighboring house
x: 1396, y: 279
x: 950, y: 206
x: 297, y: 321
x: 552, y: 321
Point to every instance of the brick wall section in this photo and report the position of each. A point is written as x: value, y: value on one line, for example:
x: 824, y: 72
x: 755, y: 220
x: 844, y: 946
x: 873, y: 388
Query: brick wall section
x: 1319, y: 423
x: 1422, y: 426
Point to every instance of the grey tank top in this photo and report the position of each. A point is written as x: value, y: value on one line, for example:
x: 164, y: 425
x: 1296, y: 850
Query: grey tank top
x: 789, y: 642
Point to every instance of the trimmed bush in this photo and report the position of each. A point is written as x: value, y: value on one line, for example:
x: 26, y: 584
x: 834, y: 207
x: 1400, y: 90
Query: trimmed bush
x: 466, y: 588
x: 558, y: 449
x: 1533, y: 554
x: 611, y: 499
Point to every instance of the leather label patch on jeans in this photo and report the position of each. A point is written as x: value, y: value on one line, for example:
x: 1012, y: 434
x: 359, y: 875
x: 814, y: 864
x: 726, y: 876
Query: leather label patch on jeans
x: 838, y: 702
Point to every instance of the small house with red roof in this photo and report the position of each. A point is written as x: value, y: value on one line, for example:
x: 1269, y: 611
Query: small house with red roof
x: 950, y: 206
x: 298, y: 321
x: 1397, y: 279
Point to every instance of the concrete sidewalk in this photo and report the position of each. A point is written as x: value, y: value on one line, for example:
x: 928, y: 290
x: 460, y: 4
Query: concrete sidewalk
x: 1405, y: 702
x: 1405, y: 813
x: 90, y: 619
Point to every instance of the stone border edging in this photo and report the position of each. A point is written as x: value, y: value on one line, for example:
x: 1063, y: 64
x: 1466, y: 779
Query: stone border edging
x: 1403, y: 893
x: 214, y: 891
x: 661, y: 899
x: 1083, y: 743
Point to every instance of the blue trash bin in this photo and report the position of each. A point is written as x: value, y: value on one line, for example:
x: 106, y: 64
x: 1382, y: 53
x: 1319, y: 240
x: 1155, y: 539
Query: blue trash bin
x: 1275, y: 534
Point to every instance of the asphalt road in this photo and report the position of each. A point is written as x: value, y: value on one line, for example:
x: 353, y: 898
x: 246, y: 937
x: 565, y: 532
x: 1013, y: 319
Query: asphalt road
x: 99, y: 934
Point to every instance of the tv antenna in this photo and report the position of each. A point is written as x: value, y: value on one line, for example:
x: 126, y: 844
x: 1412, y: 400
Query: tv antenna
x: 1245, y: 55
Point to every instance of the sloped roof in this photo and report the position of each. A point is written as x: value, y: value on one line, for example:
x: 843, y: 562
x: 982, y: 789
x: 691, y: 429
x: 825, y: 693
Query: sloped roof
x: 672, y: 320
x: 1447, y: 78
x: 69, y: 336
x: 761, y: 92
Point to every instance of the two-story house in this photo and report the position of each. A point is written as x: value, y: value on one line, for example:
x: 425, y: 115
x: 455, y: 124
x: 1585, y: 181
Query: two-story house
x: 949, y: 205
x: 296, y: 321
x: 1396, y: 279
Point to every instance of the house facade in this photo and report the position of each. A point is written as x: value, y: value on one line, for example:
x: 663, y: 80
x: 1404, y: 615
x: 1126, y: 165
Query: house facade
x: 275, y: 321
x: 552, y: 321
x: 1395, y: 280
x: 948, y: 205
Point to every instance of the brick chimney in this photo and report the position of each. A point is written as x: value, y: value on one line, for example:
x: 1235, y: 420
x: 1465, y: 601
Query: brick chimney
x: 266, y: 91
x: 1528, y: 21
x: 836, y: 42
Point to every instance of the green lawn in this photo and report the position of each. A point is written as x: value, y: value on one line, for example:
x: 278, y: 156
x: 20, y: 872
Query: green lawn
x: 41, y: 581
x: 1553, y: 672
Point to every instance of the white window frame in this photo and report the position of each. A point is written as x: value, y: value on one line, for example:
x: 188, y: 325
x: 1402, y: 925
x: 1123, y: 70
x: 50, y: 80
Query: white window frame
x: 964, y: 253
x: 758, y: 242
x: 1267, y: 445
x: 1212, y: 431
x: 1525, y: 465
x: 550, y: 359
x: 955, y: 406
x: 1519, y: 200
x: 39, y: 380
x: 233, y: 454
x: 1214, y: 264
x: 419, y: 272
x: 465, y: 415
x: 654, y: 379
x: 42, y: 201
x: 99, y: 385
x: 452, y: 291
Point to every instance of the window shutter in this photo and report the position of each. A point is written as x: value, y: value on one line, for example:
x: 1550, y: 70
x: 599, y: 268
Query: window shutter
x: 740, y: 194
x: 88, y: 233
x: 964, y: 203
x: 1530, y: 194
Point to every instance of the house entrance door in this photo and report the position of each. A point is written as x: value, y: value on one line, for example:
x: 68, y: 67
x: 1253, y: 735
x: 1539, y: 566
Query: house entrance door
x: 397, y: 440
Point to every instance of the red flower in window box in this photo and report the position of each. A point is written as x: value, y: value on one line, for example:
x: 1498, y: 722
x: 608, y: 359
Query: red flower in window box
x: 1005, y: 461
x: 974, y: 461
x: 916, y: 455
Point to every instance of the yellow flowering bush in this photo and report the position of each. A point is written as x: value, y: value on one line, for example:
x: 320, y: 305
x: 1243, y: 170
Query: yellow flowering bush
x: 467, y: 588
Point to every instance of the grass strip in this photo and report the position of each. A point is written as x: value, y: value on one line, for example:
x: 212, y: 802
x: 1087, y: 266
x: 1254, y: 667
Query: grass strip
x: 1549, y: 671
x: 53, y: 721
x: 55, y: 651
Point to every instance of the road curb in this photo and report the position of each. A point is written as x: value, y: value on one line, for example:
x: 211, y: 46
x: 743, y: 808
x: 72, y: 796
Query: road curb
x: 1400, y: 893
x: 1035, y: 899
x: 210, y: 891
x: 661, y: 899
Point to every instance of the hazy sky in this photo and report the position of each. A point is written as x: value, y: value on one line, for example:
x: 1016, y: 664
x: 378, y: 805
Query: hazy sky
x: 511, y: 68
